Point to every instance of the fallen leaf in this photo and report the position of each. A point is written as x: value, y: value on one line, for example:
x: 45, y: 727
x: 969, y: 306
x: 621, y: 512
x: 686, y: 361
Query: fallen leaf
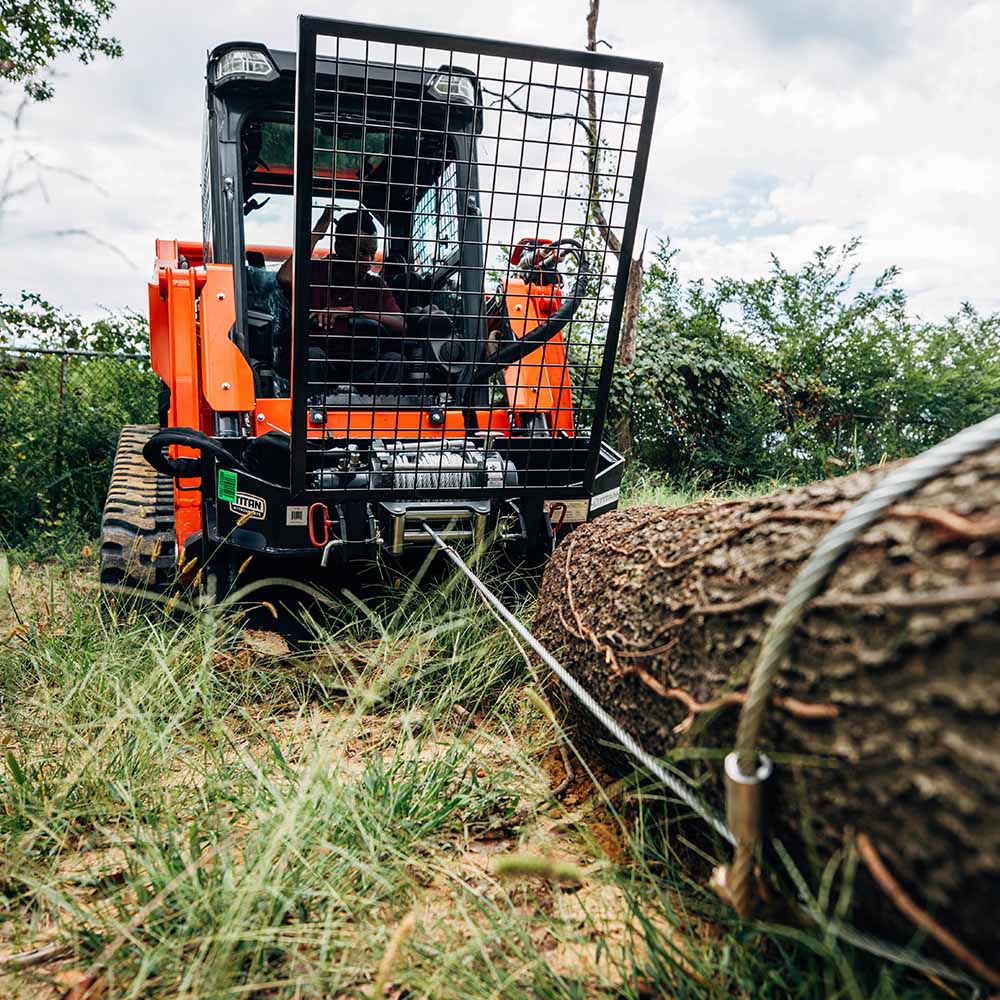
x: 69, y: 979
x: 88, y: 988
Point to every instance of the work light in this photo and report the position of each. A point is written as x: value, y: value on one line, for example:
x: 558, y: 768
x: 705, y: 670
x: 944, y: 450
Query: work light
x: 244, y: 64
x: 453, y: 87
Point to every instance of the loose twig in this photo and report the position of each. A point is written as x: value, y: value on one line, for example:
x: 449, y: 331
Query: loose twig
x: 920, y: 918
x: 546, y: 709
x: 26, y: 959
x: 570, y: 773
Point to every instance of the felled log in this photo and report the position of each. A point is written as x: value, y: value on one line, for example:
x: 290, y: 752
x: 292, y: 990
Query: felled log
x: 885, y: 721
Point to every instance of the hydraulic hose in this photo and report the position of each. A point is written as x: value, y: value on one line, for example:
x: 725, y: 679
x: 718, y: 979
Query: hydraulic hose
x: 184, y: 468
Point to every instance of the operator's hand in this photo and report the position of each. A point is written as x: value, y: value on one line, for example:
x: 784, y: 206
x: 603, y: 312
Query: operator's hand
x: 322, y: 225
x: 325, y: 319
x: 323, y: 222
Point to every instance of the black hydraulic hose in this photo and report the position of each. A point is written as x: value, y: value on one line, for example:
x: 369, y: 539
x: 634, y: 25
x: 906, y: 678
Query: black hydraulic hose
x: 184, y: 468
x: 510, y: 354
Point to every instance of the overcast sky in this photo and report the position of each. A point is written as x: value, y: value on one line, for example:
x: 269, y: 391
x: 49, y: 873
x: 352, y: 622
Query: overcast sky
x: 783, y: 125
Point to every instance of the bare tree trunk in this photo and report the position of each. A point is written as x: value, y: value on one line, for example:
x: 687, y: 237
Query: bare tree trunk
x: 630, y: 313
x: 633, y: 289
x: 886, y: 720
x: 624, y: 439
x: 596, y: 208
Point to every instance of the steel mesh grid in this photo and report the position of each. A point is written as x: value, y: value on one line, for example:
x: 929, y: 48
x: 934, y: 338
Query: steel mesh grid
x: 411, y: 363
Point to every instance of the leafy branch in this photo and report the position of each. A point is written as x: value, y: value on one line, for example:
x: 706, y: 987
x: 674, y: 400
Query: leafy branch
x: 34, y: 33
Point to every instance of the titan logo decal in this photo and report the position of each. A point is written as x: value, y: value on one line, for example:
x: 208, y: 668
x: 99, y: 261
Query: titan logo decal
x: 247, y: 503
x: 604, y: 499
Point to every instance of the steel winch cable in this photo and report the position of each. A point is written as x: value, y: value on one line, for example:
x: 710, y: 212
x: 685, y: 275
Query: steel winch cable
x: 857, y: 519
x: 673, y: 783
x: 434, y: 470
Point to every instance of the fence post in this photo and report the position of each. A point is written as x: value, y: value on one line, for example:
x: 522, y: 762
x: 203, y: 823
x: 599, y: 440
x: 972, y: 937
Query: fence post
x: 60, y: 434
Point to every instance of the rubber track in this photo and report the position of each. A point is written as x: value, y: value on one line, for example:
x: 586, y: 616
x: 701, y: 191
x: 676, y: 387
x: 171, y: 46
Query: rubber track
x: 137, y: 528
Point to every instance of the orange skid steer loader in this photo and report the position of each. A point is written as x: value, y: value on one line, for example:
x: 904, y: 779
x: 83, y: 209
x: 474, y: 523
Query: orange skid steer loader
x: 397, y: 316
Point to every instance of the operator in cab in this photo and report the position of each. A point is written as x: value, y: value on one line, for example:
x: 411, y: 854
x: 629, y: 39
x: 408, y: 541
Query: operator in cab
x: 343, y: 285
x: 342, y: 289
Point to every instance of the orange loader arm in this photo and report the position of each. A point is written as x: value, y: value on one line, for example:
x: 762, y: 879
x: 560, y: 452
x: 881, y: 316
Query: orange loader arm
x: 539, y: 383
x: 191, y: 317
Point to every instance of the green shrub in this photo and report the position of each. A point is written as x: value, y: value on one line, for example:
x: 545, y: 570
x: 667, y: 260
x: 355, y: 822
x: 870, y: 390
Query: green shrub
x: 794, y: 375
x: 60, y: 416
x: 690, y: 396
x: 787, y: 377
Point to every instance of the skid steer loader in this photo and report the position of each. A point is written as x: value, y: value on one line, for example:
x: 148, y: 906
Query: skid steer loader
x: 402, y: 311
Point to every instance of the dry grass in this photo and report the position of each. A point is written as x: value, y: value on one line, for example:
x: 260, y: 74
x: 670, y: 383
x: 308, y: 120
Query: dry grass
x: 195, y: 809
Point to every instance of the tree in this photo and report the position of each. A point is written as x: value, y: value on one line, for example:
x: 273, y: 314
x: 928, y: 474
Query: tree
x: 32, y: 35
x: 689, y: 397
x: 35, y: 32
x: 596, y: 216
x: 796, y: 373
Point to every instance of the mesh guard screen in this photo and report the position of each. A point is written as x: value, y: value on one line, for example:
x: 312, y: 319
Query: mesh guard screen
x: 465, y: 213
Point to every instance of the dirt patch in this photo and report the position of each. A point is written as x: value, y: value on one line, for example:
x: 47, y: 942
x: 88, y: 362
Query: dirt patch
x: 37, y: 596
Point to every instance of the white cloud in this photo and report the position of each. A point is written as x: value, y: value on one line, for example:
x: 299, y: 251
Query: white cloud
x: 782, y: 126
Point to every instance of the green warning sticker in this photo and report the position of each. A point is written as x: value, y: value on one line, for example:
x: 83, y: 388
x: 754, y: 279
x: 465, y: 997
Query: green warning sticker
x: 227, y: 485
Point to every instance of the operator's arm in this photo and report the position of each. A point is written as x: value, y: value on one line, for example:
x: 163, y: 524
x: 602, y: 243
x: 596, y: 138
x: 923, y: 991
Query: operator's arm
x: 393, y: 322
x: 388, y: 314
x: 326, y: 319
x: 321, y: 229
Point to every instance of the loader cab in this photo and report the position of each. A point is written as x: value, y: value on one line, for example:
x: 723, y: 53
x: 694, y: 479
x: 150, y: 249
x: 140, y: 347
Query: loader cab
x: 396, y: 143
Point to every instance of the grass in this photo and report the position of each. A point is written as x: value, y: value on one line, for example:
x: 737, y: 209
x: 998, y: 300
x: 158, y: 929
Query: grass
x: 194, y: 810
x: 644, y: 486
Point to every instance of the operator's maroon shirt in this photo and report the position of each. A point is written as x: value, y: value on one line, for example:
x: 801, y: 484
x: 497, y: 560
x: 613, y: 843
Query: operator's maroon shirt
x: 334, y: 284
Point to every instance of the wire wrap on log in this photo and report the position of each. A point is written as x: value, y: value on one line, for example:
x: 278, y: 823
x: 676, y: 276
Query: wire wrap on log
x: 898, y: 484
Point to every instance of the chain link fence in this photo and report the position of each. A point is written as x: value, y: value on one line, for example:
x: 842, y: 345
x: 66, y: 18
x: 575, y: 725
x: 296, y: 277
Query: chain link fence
x: 61, y: 412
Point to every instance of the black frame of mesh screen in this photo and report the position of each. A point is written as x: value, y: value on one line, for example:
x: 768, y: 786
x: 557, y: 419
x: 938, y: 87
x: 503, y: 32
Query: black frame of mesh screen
x: 567, y: 462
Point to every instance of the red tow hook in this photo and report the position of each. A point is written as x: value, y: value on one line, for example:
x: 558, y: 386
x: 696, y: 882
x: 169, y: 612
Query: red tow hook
x: 325, y: 522
x: 561, y: 507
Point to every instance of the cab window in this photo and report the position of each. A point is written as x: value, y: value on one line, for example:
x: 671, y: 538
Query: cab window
x: 435, y: 224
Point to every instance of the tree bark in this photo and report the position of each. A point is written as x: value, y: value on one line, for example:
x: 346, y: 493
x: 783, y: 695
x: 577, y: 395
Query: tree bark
x: 885, y: 722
